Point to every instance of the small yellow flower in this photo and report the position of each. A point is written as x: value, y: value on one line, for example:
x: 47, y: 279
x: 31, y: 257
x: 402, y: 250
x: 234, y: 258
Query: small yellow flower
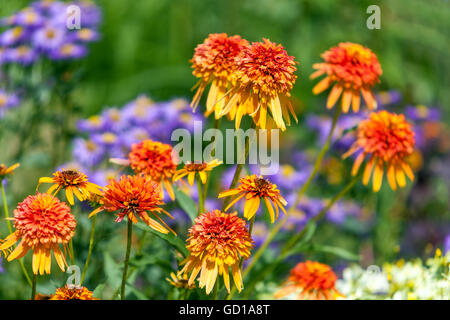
x: 4, y: 170
x: 74, y: 182
x: 180, y: 281
x: 191, y: 169
x: 255, y: 188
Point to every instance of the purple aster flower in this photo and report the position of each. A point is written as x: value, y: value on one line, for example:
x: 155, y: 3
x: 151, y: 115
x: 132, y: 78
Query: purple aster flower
x: 113, y: 120
x: 141, y: 112
x: 13, y: 36
x: 133, y: 136
x: 22, y: 55
x: 29, y: 17
x: 91, y: 125
x: 111, y: 142
x: 385, y: 98
x: 422, y: 113
x: 447, y: 244
x: 90, y: 13
x: 339, y: 212
x: 88, y: 152
x: 102, y: 177
x: 7, y: 101
x: 49, y: 38
x: 86, y: 35
x: 68, y: 51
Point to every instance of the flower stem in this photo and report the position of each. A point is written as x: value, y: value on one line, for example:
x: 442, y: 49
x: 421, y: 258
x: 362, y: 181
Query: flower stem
x: 72, y: 257
x: 205, y: 190
x: 300, y: 194
x: 5, y: 206
x: 33, y: 287
x: 127, y: 259
x: 201, y: 199
x: 238, y: 171
x: 91, y: 245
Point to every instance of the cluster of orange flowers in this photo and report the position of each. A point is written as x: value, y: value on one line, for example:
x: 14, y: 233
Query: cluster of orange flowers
x: 245, y: 79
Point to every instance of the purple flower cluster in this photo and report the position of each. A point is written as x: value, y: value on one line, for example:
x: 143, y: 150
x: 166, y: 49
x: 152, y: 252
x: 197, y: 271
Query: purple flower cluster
x: 42, y: 30
x: 112, y: 133
x: 7, y: 101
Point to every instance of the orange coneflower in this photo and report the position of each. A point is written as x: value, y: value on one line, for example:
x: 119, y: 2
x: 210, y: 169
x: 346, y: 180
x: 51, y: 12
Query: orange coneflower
x: 264, y: 79
x: 254, y: 188
x: 131, y: 196
x: 313, y: 281
x: 4, y: 170
x: 74, y: 182
x: 191, y: 169
x: 216, y: 243
x: 388, y: 140
x: 73, y: 293
x: 42, y: 223
x: 154, y: 159
x: 354, y: 69
x: 214, y: 62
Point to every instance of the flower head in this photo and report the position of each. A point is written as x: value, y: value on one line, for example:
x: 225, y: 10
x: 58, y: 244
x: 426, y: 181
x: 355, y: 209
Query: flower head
x: 131, y: 196
x: 192, y: 169
x: 74, y: 182
x: 180, y: 281
x: 313, y: 280
x: 388, y: 140
x: 73, y: 293
x: 154, y: 159
x: 265, y: 77
x: 354, y: 69
x: 42, y: 222
x: 4, y: 170
x: 254, y: 188
x: 216, y: 243
x: 214, y: 62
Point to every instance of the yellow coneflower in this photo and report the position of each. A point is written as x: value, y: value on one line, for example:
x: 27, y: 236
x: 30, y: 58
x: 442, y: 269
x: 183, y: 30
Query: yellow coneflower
x: 255, y: 188
x: 191, y: 169
x: 74, y: 182
x: 42, y: 223
x: 216, y: 243
x: 4, y: 170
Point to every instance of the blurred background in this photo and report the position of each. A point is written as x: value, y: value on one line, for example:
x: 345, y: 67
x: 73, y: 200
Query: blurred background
x: 144, y: 47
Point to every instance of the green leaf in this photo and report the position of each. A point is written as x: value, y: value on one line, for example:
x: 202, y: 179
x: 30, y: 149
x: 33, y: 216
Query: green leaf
x: 99, y: 290
x: 340, y: 252
x: 112, y: 270
x: 302, y: 245
x: 136, y: 292
x: 172, y: 239
x: 186, y: 203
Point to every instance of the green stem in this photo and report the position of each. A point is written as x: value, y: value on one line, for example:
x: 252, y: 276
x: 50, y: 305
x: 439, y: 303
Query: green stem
x: 205, y: 190
x: 5, y: 206
x: 300, y: 194
x: 201, y: 199
x: 127, y: 259
x: 33, y: 287
x: 91, y: 246
x: 238, y: 171
x: 72, y: 257
x: 321, y: 214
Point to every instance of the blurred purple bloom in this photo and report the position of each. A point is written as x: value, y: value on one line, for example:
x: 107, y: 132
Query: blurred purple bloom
x: 49, y: 38
x: 422, y: 113
x: 7, y: 101
x: 68, y: 51
x: 90, y: 125
x: 12, y: 36
x: 86, y: 35
x: 385, y: 98
x: 23, y: 55
x: 102, y: 177
x: 339, y: 212
x: 447, y: 244
x: 87, y: 152
x: 29, y: 17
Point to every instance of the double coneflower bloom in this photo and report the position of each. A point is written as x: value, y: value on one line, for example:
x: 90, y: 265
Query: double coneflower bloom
x: 214, y: 62
x: 255, y: 188
x: 42, y: 223
x: 154, y: 159
x: 217, y: 242
x: 192, y: 169
x: 388, y: 140
x: 312, y: 281
x: 134, y: 196
x: 264, y: 79
x: 72, y: 293
x: 354, y: 70
x: 74, y: 182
